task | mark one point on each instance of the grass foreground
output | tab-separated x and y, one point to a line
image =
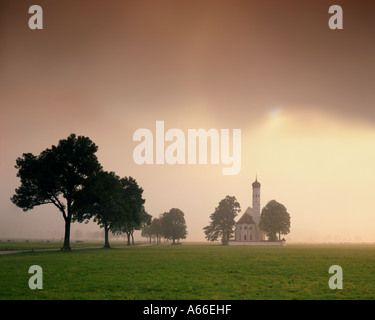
186	272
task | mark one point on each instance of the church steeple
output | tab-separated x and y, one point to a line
247	228
256	184
256	200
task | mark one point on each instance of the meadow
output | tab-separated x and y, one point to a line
189	272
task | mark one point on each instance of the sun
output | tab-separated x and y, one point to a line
274	112
276	118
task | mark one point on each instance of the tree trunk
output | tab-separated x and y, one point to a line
132	238
66	245
224	240
106	240
128	234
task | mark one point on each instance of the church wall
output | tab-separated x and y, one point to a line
243	230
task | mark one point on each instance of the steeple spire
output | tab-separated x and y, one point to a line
256	184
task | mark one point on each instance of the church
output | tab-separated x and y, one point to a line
247	227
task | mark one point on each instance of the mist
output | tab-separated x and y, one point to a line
301	94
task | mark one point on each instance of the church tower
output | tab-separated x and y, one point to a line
256	201
247	227
259	235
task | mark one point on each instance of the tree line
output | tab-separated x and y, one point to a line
170	225
70	177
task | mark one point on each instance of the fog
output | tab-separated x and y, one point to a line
301	94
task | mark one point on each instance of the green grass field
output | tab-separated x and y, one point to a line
193	272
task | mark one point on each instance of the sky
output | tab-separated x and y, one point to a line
301	94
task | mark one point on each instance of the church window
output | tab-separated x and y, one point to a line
244	237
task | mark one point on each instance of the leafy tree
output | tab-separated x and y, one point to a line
56	176
222	220
131	225
101	199
156	229
274	219
144	223
133	206
146	232
173	225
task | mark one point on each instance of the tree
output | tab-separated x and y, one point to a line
133	206
222	220
274	219
173	225
131	225
144	223
156	229
101	198
56	176
146	232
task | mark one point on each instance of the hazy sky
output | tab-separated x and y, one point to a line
303	96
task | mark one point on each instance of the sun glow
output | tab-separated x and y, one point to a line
312	162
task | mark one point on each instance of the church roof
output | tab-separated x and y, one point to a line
246	217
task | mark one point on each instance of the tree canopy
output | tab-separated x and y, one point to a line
70	177
274	220
222	220
156	229
101	198
174	225
133	208
56	176
115	203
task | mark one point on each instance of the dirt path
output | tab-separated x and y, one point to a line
40	250
58	249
